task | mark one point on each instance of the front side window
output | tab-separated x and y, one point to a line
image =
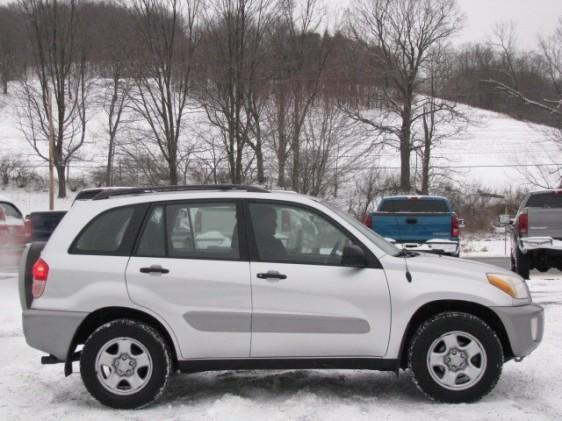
284	233
105	234
191	230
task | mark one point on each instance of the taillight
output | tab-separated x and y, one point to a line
368	220
523	223
455	226
40	273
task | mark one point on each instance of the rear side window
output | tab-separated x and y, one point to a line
545	200
191	230
105	234
415	205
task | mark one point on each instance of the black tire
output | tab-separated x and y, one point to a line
156	347
441	324
522	265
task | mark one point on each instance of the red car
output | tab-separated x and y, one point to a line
13	234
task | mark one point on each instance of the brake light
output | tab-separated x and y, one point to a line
523	223
40	273
455	226
368	220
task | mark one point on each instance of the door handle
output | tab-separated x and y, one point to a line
272	274
411	221
154	269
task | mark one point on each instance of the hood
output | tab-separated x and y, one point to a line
459	269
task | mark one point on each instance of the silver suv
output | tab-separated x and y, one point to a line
138	284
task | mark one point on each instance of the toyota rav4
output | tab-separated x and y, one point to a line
138	284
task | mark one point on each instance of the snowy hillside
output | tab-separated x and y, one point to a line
494	151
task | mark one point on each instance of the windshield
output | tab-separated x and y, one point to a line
379	241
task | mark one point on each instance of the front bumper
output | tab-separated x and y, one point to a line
51	331
524	326
440	246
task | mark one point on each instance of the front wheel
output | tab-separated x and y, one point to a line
125	364
455	357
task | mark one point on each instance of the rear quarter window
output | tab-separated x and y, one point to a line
414	205
110	233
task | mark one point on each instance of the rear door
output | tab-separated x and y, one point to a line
414	219
191	268
305	303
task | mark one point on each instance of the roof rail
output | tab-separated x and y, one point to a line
106	194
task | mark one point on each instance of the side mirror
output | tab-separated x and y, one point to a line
353	256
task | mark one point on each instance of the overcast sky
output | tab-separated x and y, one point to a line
531	17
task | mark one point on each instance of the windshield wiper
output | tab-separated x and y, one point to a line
406	253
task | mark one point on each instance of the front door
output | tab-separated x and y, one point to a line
305	303
191	267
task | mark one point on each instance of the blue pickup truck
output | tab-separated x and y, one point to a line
420	223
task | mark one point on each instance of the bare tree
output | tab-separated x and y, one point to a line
233	92
332	148
551	56
12	45
163	81
440	119
299	57
60	71
401	33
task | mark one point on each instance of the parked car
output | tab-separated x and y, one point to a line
536	240
116	289
12	231
40	225
420	223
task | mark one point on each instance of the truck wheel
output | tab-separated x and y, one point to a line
125	364
522	265
455	357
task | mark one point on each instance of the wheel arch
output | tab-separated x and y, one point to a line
107	314
441	306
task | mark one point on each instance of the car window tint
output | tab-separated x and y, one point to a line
9	210
545	200
284	233
414	205
191	230
152	242
105	234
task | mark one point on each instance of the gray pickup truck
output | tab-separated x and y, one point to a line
536	240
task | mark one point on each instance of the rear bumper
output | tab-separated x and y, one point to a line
51	331
440	246
540	243
524	326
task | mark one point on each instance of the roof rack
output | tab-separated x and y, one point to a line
106	194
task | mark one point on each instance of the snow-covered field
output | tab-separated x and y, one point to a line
528	390
494	150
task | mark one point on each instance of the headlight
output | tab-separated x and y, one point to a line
510	284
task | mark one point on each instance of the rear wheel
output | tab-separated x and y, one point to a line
455	357
522	264
125	364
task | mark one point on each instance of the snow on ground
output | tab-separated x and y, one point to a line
527	390
485	245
